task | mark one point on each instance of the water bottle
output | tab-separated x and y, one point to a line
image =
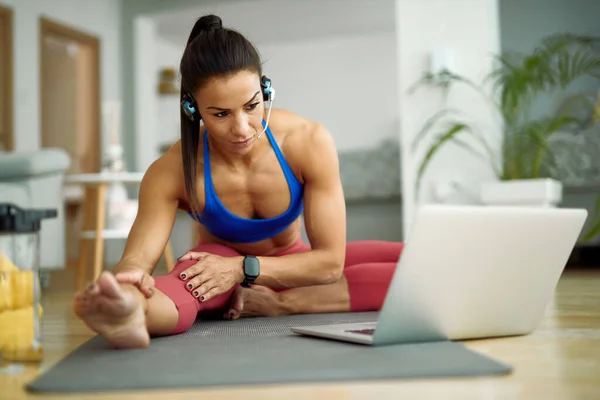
20	292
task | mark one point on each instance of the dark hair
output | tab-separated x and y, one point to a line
211	51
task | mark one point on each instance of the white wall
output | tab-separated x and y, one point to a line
468	30
156	115
356	18
168	55
344	82
146	99
347	83
98	18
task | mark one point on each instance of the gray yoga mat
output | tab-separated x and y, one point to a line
256	351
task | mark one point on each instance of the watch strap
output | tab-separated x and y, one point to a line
251	268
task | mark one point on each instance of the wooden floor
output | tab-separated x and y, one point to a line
560	360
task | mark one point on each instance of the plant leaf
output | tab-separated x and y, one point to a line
441	140
559	123
429	124
582	103
518	80
576	64
426	79
558	61
594	229
468	147
591	232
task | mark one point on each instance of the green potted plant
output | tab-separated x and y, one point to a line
527	158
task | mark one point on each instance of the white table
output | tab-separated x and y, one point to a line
94	208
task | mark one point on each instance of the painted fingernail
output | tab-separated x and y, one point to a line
183	276
196	293
202	298
189	286
151	290
231	313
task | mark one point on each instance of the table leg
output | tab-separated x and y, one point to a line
100	223
84	246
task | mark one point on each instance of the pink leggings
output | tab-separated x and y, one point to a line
368	270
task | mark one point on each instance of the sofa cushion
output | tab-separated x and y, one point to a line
16	193
20	165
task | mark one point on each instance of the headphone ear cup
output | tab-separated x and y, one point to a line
265	84
188	107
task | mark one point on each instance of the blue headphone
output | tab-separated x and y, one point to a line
189	108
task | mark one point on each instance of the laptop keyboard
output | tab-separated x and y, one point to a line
362	331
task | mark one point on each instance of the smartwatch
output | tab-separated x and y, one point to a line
251	270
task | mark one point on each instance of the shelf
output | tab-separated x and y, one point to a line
106	234
168	88
104	177
73	194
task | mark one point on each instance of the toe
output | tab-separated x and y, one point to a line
230	314
81	297
108	285
93	289
237	304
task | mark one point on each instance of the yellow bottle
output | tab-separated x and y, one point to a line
18	340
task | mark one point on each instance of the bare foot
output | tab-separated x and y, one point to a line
258	301
114	311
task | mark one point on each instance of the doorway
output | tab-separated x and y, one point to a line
70	94
6	79
70	113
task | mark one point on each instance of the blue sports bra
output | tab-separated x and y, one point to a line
219	221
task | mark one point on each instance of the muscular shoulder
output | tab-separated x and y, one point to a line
165	177
306	144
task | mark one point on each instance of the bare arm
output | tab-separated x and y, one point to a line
325	220
157	208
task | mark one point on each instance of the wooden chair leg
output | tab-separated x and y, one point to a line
87	223
100	224
169	259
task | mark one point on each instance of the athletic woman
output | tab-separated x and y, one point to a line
247	175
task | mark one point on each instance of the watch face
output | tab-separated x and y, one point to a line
251	266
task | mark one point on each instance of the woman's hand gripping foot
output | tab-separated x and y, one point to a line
115	311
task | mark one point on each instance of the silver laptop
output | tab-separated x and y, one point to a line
470	272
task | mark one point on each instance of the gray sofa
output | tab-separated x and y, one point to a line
34	179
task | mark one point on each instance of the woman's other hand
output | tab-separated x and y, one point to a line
212	275
138	277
